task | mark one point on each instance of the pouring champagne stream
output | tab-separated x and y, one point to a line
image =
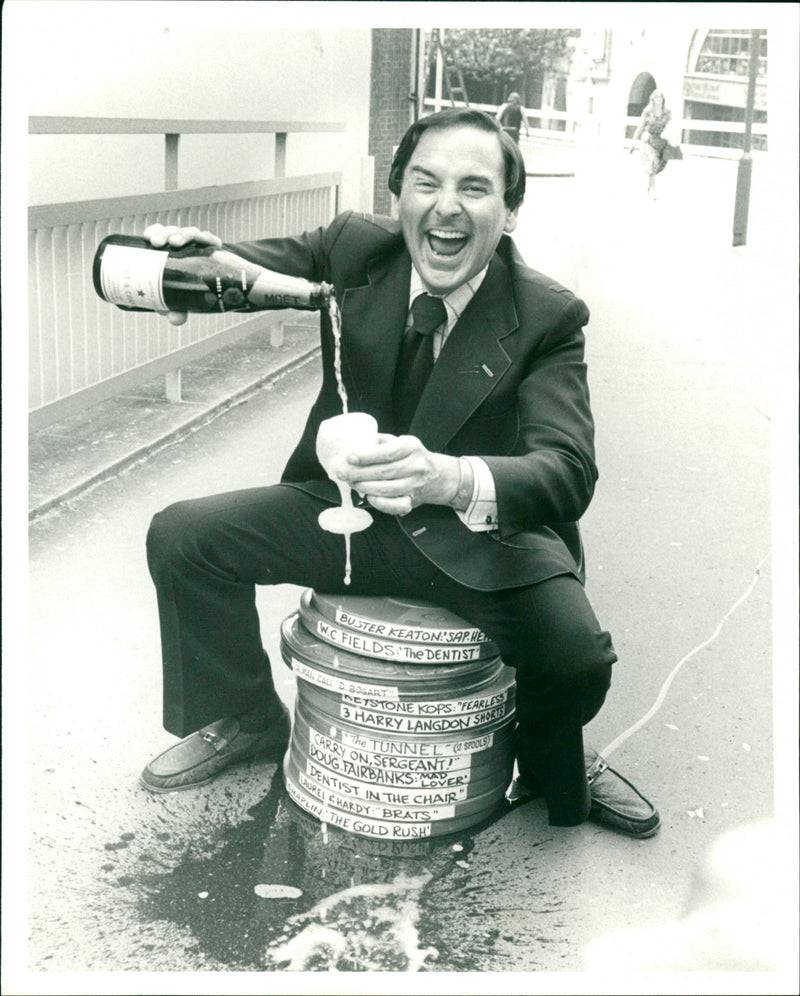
337	438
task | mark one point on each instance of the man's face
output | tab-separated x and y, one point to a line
452	208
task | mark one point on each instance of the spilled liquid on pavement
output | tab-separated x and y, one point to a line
283	892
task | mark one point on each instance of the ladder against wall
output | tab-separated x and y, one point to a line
452	76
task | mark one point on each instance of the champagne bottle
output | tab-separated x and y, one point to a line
131	273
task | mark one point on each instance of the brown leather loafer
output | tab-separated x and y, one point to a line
615	802
203	755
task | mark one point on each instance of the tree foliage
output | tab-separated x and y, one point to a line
507	54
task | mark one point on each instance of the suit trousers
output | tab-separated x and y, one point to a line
206	557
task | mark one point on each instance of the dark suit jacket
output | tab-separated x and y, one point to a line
509	386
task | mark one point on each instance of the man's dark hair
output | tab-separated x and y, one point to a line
452	118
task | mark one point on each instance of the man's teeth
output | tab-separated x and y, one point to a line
446	243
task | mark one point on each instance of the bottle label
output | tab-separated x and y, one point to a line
132	277
278	290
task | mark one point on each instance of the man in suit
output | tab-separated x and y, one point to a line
476	484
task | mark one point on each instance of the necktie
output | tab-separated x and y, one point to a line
416	358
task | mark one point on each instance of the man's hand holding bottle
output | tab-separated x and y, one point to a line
171	235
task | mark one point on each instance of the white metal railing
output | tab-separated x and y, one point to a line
684	127
544	114
573	123
83	350
173	128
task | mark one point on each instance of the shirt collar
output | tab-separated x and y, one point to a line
456	301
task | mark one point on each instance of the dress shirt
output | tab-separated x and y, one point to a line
481	513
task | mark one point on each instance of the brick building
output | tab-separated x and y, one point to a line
391	110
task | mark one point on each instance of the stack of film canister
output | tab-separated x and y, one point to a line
404	717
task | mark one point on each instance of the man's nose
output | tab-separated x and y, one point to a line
448	202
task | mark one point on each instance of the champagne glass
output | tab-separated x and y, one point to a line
337	438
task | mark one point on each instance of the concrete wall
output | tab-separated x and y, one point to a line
184	61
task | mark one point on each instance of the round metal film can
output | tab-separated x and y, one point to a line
404	717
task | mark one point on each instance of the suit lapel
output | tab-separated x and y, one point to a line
471	363
375	317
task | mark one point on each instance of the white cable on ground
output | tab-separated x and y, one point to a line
665	687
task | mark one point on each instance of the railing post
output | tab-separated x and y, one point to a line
280	153
172	385
172	378
171	143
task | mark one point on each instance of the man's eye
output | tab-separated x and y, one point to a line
475	189
424	185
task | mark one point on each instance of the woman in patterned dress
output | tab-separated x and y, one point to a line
655	119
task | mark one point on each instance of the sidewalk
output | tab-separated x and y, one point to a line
71	455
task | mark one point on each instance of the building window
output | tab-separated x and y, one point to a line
726	52
716	91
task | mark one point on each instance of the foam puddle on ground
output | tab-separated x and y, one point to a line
363	928
280	891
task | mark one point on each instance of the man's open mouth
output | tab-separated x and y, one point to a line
445	243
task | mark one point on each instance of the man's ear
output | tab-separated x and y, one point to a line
511	221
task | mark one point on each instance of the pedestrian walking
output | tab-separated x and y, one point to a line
656	150
511	116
